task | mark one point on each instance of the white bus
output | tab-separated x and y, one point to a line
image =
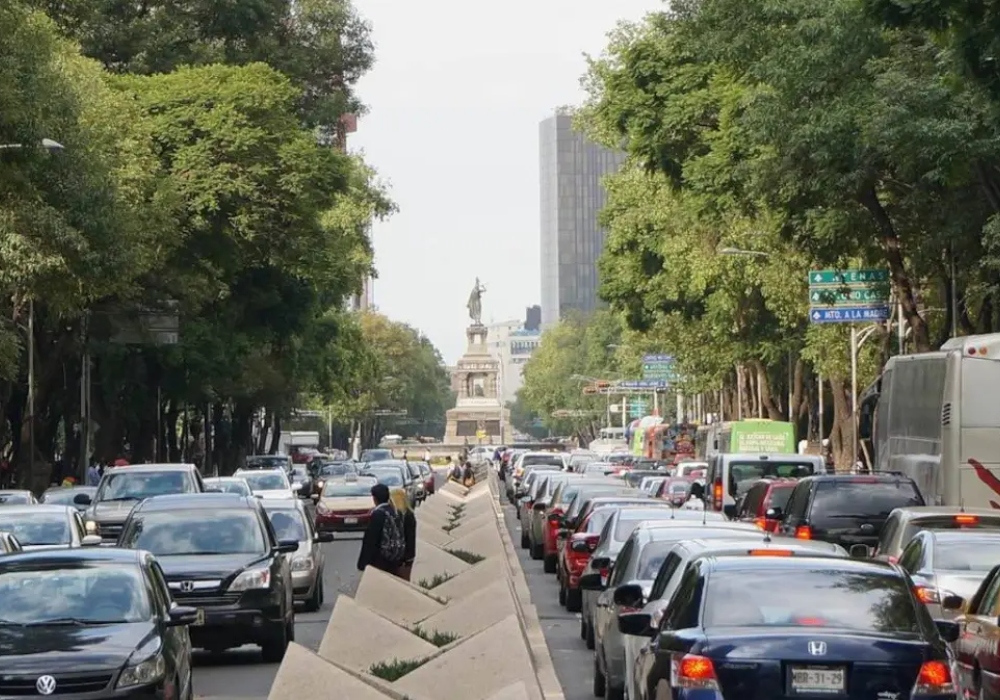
936	418
611	440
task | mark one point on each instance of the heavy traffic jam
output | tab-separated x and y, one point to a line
106	590
703	565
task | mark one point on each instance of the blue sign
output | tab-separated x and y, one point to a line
849	314
650	384
658	358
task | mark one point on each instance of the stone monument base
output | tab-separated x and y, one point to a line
463	425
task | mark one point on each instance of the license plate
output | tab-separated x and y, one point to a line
199	618
350	521
824	681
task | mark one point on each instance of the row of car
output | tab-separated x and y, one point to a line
895	600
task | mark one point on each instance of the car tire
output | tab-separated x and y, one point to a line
613	693
537	552
583	627
562	594
316	600
574	600
273	650
589	639
549	564
525	543
599	680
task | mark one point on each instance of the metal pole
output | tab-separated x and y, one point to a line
680	407
739	394
854	394
656	403
791	392
31	386
157	436
329	428
954	299
819	380
625	411
901	329
82	464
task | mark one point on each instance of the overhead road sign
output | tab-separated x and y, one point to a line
840	278
649	384
848	296
852	297
660	367
849	314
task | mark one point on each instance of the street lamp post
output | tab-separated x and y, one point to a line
50	146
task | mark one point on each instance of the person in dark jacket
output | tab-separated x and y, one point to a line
371	545
402	505
468	475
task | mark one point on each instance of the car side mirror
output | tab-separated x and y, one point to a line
774	514
179	615
600	563
952	602
629	595
323	537
860	551
287	546
82	499
591	582
948	629
635	624
91	541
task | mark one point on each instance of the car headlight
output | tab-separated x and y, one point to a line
251	579
145	672
302	564
320	484
91	527
322	509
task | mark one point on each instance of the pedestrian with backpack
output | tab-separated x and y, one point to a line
384	544
402	504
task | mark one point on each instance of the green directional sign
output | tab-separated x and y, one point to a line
839	278
849	297
637	407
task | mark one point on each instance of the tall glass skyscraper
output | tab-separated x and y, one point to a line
571	170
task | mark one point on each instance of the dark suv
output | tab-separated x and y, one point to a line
122	487
844	509
220	556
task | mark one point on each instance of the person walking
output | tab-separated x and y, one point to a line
455	473
93	475
401	503
383	545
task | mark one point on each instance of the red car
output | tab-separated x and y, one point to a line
674	490
560	502
764	495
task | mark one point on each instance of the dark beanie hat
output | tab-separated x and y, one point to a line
380	492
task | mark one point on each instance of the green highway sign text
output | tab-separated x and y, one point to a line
850	297
837	278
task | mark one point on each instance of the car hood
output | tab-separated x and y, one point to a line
208	566
37	547
359	503
112	511
65	648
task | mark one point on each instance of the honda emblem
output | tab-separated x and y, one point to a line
817	648
187	586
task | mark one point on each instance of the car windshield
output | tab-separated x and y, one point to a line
64	497
347	490
288	524
180	532
33	529
630	518
651	558
104	594
863	601
376	455
336	469
124	485
679	487
978	554
238	486
266	481
268	462
390	476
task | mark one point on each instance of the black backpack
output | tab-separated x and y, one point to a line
392	546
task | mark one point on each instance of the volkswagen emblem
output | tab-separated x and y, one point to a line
187	586
817	648
45	685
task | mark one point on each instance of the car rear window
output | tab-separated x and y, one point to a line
742	475
950	522
628	520
778	497
840	503
978	554
852	600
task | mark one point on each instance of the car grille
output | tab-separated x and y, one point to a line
66	684
202	600
110	531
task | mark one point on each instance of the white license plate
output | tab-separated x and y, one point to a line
818	680
350	521
199	618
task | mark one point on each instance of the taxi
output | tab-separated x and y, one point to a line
345	504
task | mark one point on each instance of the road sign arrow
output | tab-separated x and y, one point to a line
818	278
816	315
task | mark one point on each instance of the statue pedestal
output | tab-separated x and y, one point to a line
479	416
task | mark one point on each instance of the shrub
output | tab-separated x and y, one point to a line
438	639
467	557
394	670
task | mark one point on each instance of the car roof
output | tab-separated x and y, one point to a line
276	470
952	535
282	504
773	456
75	487
227	478
138	468
817	547
685	521
913	512
598	501
847	564
4	492
197	501
38	508
69	556
882	478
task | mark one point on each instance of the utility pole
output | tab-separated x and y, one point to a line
31	386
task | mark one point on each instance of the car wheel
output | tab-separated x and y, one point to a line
273	650
524	540
574	600
316	599
599	680
589	639
562	594
615	693
537	552
549	564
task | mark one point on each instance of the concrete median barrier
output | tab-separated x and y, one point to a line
463	629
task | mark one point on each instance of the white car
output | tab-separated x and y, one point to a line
267	483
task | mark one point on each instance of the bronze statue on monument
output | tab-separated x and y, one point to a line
475	304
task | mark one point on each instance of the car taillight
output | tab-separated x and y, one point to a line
934	679
803	532
693	672
604	575
761	523
966	520
771	553
717	494
926	594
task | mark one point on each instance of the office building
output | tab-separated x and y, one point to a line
512	343
572	195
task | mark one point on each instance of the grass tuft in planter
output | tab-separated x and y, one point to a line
466	556
438	639
435	582
394	670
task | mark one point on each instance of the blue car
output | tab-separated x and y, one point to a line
772	627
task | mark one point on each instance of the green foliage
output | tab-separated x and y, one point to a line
466	556
435	581
394	670
438	639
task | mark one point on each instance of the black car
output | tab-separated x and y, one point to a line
759	628
122	487
91	623
220	555
845	509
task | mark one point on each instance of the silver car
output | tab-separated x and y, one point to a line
904	523
46	527
290	522
229	484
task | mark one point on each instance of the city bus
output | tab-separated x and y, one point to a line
935	417
612	439
758	435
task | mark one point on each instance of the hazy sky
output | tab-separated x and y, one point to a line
455	99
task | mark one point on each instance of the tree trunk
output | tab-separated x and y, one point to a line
766	397
275	434
843	426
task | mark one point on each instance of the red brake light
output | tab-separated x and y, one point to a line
693	671
761	523
811	621
771	553
926	595
934	679
717	494
966	520
803	532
